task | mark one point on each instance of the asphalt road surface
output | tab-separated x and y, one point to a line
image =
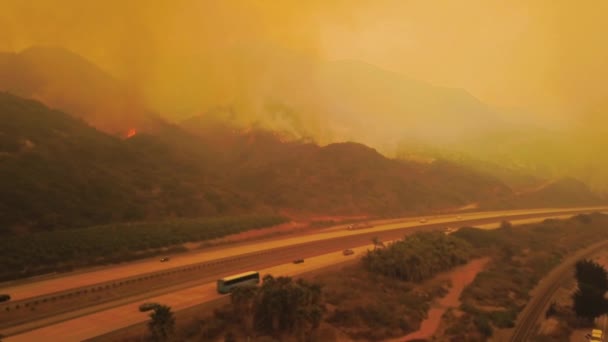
94	321
70	281
106	321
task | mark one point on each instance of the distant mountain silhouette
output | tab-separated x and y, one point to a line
377	106
66	81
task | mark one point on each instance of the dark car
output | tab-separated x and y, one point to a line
165	259
4	298
348	252
148	306
298	261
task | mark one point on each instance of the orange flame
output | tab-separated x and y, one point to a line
131	133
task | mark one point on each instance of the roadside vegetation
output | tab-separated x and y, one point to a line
281	309
589	301
161	324
580	306
390	291
368	306
63	250
520	258
418	257
358	302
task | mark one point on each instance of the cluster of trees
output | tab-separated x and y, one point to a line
418	257
280	306
32	254
161	324
589	300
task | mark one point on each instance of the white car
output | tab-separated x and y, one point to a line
148	306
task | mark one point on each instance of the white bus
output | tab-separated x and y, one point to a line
596	335
226	284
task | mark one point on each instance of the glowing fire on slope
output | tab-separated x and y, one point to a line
131	133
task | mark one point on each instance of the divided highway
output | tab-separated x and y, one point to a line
207	266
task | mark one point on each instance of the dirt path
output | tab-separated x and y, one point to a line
460	277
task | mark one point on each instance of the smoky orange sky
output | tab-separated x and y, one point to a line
546	56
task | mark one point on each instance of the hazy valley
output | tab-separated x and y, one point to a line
303	171
61	171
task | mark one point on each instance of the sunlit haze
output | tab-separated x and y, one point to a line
376	72
303	170
546	57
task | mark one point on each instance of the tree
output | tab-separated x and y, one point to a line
162	323
504	224
229	337
376	241
418	257
284	306
242	299
588	303
592	273
592	279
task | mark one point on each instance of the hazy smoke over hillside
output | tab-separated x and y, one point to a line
189	55
268	62
185	57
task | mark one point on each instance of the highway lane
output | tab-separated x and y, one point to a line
496	225
104	322
63	310
71	281
281	255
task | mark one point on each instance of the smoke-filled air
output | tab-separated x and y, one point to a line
303	170
515	83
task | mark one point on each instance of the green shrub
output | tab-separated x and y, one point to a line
418	257
483	325
503	318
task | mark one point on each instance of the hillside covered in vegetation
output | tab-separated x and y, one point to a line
58	172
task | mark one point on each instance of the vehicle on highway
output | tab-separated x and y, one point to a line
359	226
226	284
298	261
165	259
596	335
4	298
148	306
348	252
423	220
449	230
459	218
